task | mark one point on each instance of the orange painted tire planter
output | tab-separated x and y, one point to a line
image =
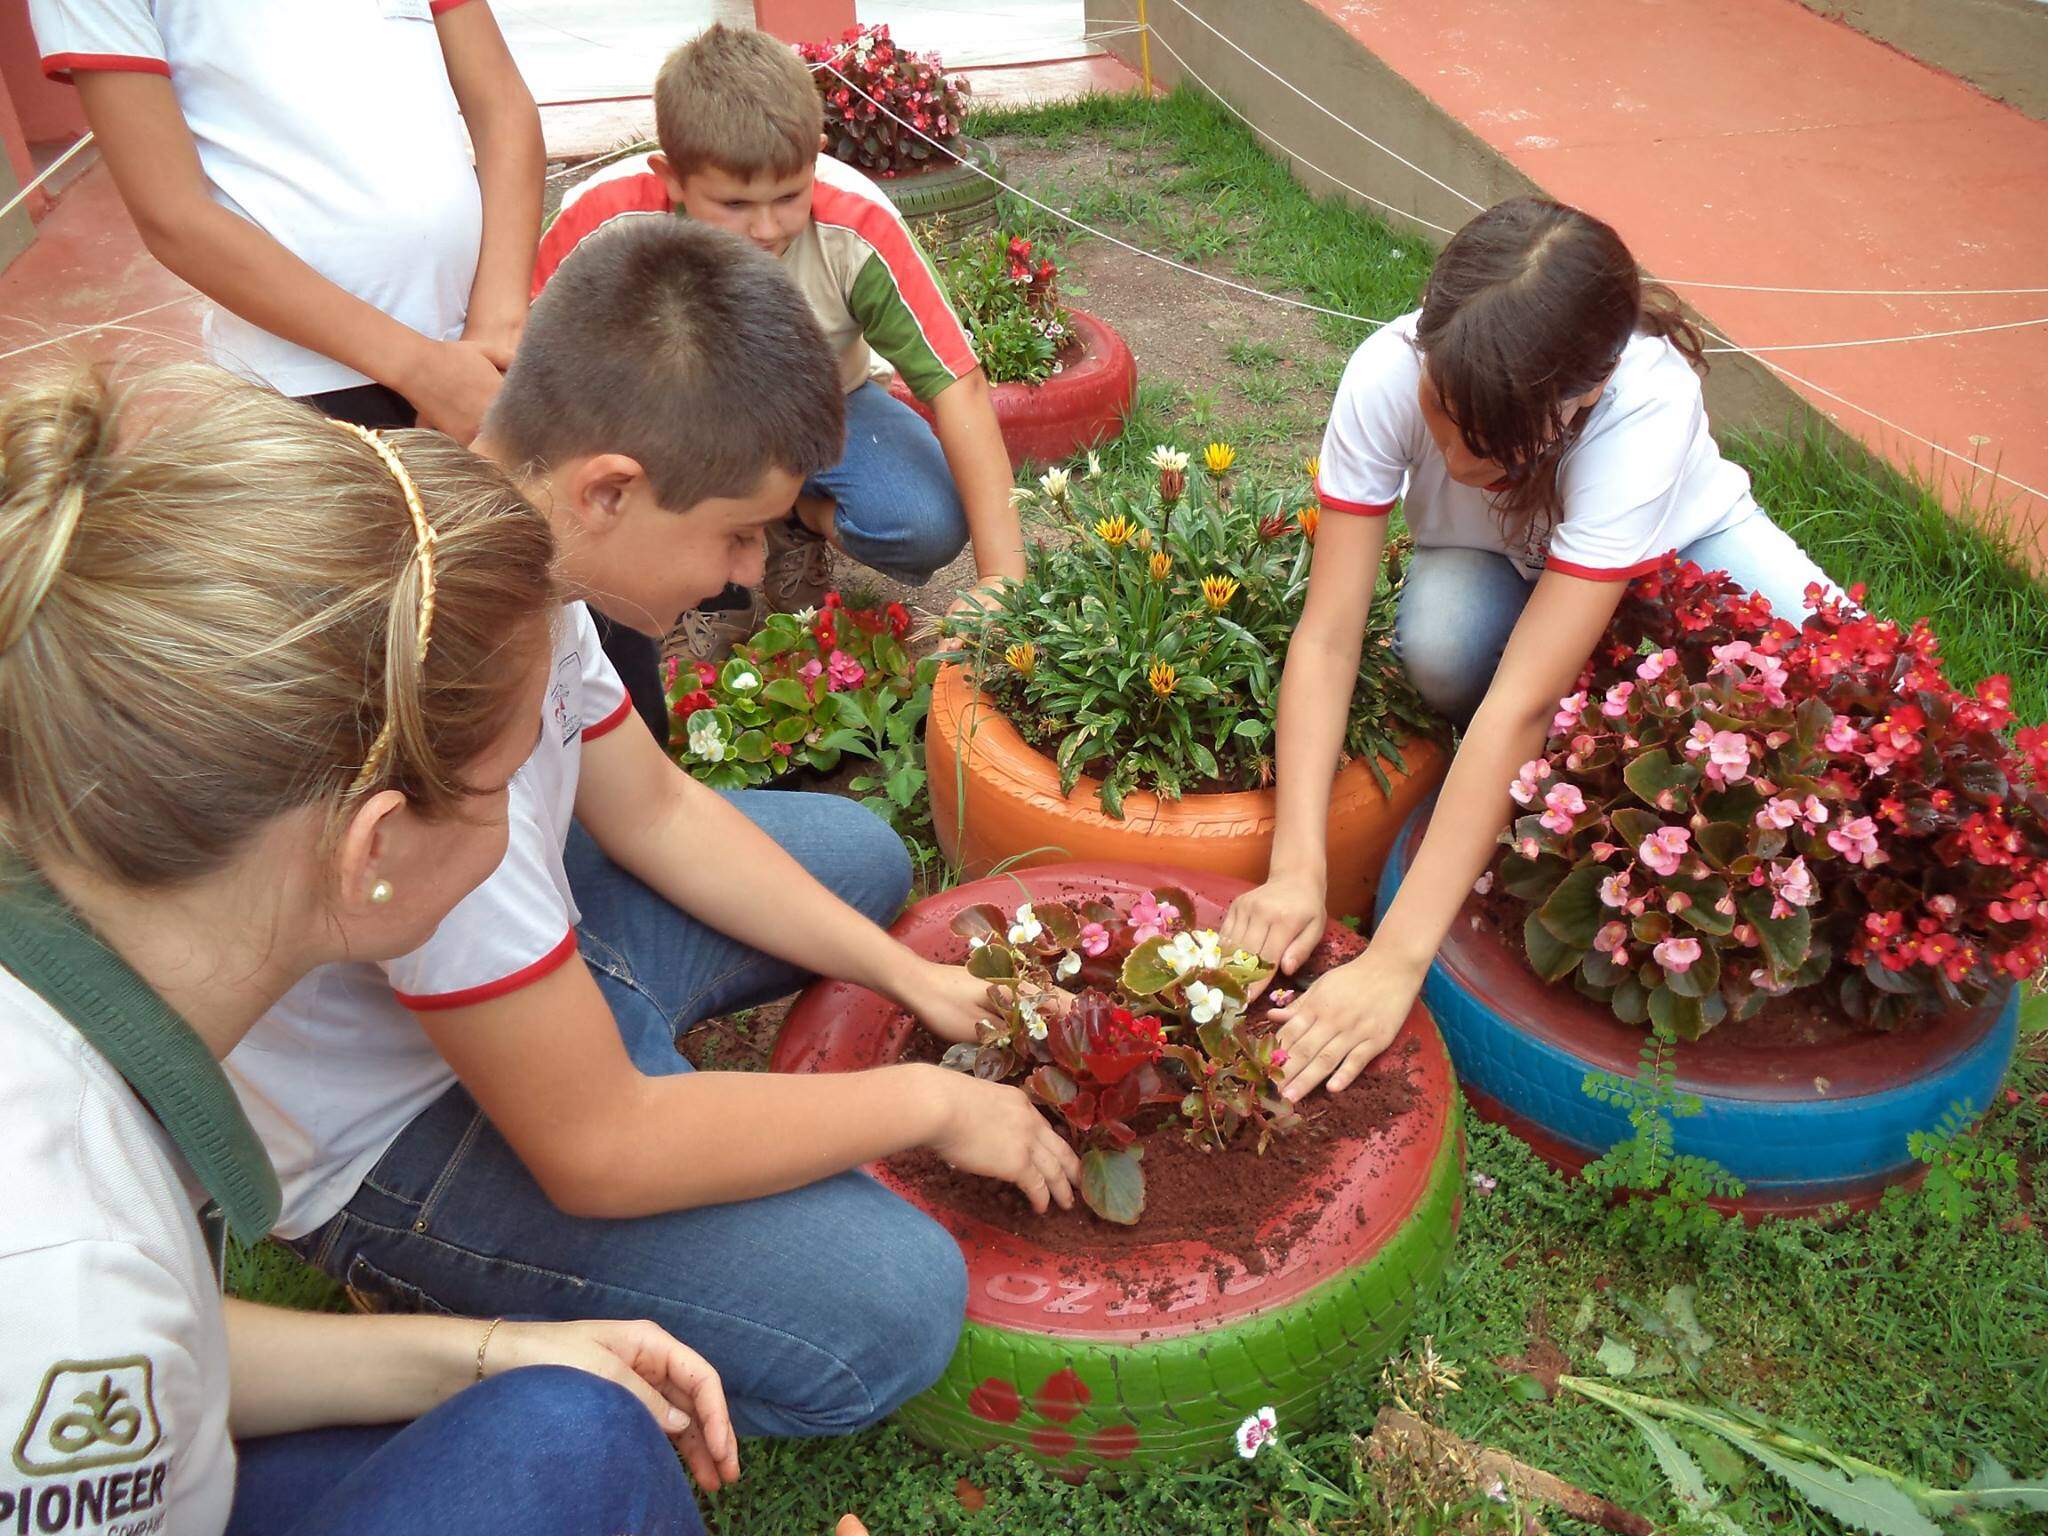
1078	408
1005	804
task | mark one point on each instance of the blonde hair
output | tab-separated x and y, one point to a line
210	605
739	100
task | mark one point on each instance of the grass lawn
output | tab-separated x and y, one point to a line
1915	1337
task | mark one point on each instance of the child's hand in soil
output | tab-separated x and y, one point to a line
1281	922
993	1130
1346	1017
946	1000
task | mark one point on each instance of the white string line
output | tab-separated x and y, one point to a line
1333	117
1135	250
1217	96
1870	293
118	323
1882	341
1864	410
48	171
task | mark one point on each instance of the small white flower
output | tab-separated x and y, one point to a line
1485	1183
1483	884
1256	1431
1034	1026
1204	1001
1497	1491
1094	462
1069	966
1027	927
805	616
707	741
979	940
1164	457
745	682
1054	483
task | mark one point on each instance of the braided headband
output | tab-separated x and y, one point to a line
423	531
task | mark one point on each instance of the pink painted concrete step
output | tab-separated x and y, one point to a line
1752	141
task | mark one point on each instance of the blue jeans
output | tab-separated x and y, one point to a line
899	510
823	1308
545	1451
1459	606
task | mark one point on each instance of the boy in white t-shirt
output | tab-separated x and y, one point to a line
303	164
1540	422
501	1119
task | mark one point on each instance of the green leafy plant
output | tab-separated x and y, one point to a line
806	691
1963	1173
1664	1192
1200	581
1008	295
866	82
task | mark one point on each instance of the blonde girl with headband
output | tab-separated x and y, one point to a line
263	686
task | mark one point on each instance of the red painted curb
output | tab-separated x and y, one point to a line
1014	1283
1082	405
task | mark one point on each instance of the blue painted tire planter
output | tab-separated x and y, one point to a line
1803	1125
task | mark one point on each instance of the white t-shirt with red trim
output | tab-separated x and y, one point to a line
328	124
1643	476
869	282
340	1066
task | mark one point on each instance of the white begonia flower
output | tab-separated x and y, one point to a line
1054	483
976	942
1027	927
1164	457
1069	966
745	681
1034	1026
707	741
1205	1001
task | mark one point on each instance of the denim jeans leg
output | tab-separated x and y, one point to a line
1765	559
899	510
545	1451
1458	607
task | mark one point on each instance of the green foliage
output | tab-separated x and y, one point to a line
1008	295
1664	1192
1200	579
1963	1174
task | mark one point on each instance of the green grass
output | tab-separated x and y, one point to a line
1897	1336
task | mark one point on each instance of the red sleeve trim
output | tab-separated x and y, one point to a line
525	976
442	7
1355	508
610	722
588	209
884	230
60	66
1603	573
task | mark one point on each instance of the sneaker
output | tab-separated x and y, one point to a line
709	634
799	567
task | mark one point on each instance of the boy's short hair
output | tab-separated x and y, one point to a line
681	346
739	100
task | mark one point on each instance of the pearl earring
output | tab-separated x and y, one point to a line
380	893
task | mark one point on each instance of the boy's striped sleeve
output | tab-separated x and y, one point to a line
896	295
591	206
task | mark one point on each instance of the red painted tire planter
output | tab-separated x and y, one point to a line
1805	1126
1078	408
1074	1358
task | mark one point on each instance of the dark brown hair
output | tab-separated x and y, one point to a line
739	100
682	347
1528	307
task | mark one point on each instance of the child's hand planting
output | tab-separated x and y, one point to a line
994	1130
1345	1018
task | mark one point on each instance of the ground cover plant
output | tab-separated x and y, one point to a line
1915	1337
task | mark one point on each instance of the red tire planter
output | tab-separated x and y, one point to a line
1078	408
1079	1360
1806	1126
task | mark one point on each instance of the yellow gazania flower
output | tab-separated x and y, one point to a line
1217	591
1023	656
1162	565
1314	465
1306	520
1114	531
1163	679
1218	457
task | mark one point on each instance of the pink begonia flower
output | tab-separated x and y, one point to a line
1726	905
1840	737
843	672
1485	1183
1760	979
1772	676
1149	918
1570	711
1673	699
810	672
1744	934
1483	884
1280	1057
1527	778
1582	750
1610	938
1700	740
1528	848
1562	807
1614	890
1280	997
1677	902
1728	758
1856	841
1676	955
1779	813
1728	659
1777	739
1942	906
1815	811
1615	705
1656	666
1094	938
1793	883
1665	849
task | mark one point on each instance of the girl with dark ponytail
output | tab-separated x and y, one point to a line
1540	420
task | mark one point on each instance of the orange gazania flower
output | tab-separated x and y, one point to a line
1023	656
1217	591
1306	520
1163	679
1162	565
1114	531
